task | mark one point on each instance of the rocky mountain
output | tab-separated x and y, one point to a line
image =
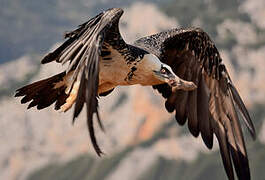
142	141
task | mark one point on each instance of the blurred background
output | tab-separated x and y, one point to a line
142	141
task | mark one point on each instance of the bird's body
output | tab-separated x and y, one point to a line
115	71
182	64
122	72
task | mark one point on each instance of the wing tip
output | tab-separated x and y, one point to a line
243	110
48	58
18	93
241	164
208	140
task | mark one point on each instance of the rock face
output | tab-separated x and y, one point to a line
141	137
37	137
255	8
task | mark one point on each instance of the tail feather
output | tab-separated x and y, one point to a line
45	92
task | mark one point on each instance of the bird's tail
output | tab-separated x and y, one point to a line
45	92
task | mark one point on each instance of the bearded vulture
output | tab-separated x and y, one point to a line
183	65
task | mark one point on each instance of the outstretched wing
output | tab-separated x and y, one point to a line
82	50
212	107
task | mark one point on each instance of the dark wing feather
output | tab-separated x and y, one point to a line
82	50
211	108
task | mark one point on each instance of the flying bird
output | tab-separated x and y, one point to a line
183	65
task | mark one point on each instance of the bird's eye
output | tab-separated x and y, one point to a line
163	71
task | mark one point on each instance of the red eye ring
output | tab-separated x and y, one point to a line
163	71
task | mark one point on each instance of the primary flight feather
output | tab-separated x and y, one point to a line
182	64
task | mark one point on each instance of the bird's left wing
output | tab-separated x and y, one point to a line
211	108
82	50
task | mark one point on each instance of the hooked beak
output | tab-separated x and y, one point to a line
177	83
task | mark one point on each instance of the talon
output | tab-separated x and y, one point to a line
184	85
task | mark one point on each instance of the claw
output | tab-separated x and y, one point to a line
184	85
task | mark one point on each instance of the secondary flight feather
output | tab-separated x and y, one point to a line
184	66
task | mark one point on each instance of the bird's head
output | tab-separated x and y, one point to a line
165	74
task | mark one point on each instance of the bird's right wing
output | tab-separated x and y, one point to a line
82	50
211	108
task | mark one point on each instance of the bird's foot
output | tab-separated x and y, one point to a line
184	85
